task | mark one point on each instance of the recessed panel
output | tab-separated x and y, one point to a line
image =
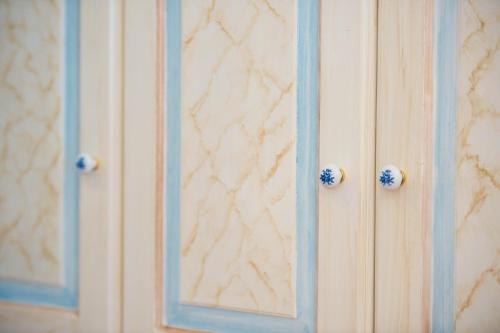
39	140
477	228
31	141
239	227
238	155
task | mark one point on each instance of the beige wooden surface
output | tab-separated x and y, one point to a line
140	33
100	227
100	206
404	138
143	93
347	138
21	318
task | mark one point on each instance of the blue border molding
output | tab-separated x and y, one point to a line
221	320
66	295
443	221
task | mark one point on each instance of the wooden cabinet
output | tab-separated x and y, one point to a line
211	121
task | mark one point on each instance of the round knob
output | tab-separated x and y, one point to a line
86	163
391	177
331	175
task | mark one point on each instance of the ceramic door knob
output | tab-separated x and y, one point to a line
391	177
86	163
331	175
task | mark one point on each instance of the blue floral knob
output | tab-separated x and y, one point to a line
331	175
391	177
86	163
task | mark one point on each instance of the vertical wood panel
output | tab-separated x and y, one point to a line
347	138
140	33
100	227
404	138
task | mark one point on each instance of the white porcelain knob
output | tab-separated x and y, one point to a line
331	175
391	177
86	163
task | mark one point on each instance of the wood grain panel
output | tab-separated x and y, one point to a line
347	138
404	138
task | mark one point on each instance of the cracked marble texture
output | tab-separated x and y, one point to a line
238	155
30	140
477	256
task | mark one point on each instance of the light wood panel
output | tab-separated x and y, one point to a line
143	92
404	138
347	138
21	319
100	222
140	40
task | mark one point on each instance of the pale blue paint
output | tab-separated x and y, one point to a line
171	269
220	320
443	222
66	295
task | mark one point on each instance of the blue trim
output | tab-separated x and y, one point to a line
307	159
52	295
172	186
443	221
220	320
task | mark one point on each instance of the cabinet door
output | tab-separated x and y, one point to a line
58	269
437	259
221	150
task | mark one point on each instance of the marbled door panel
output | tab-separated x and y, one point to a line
238	154
30	140
477	256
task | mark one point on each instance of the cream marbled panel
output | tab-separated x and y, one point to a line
30	140
477	272
238	154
